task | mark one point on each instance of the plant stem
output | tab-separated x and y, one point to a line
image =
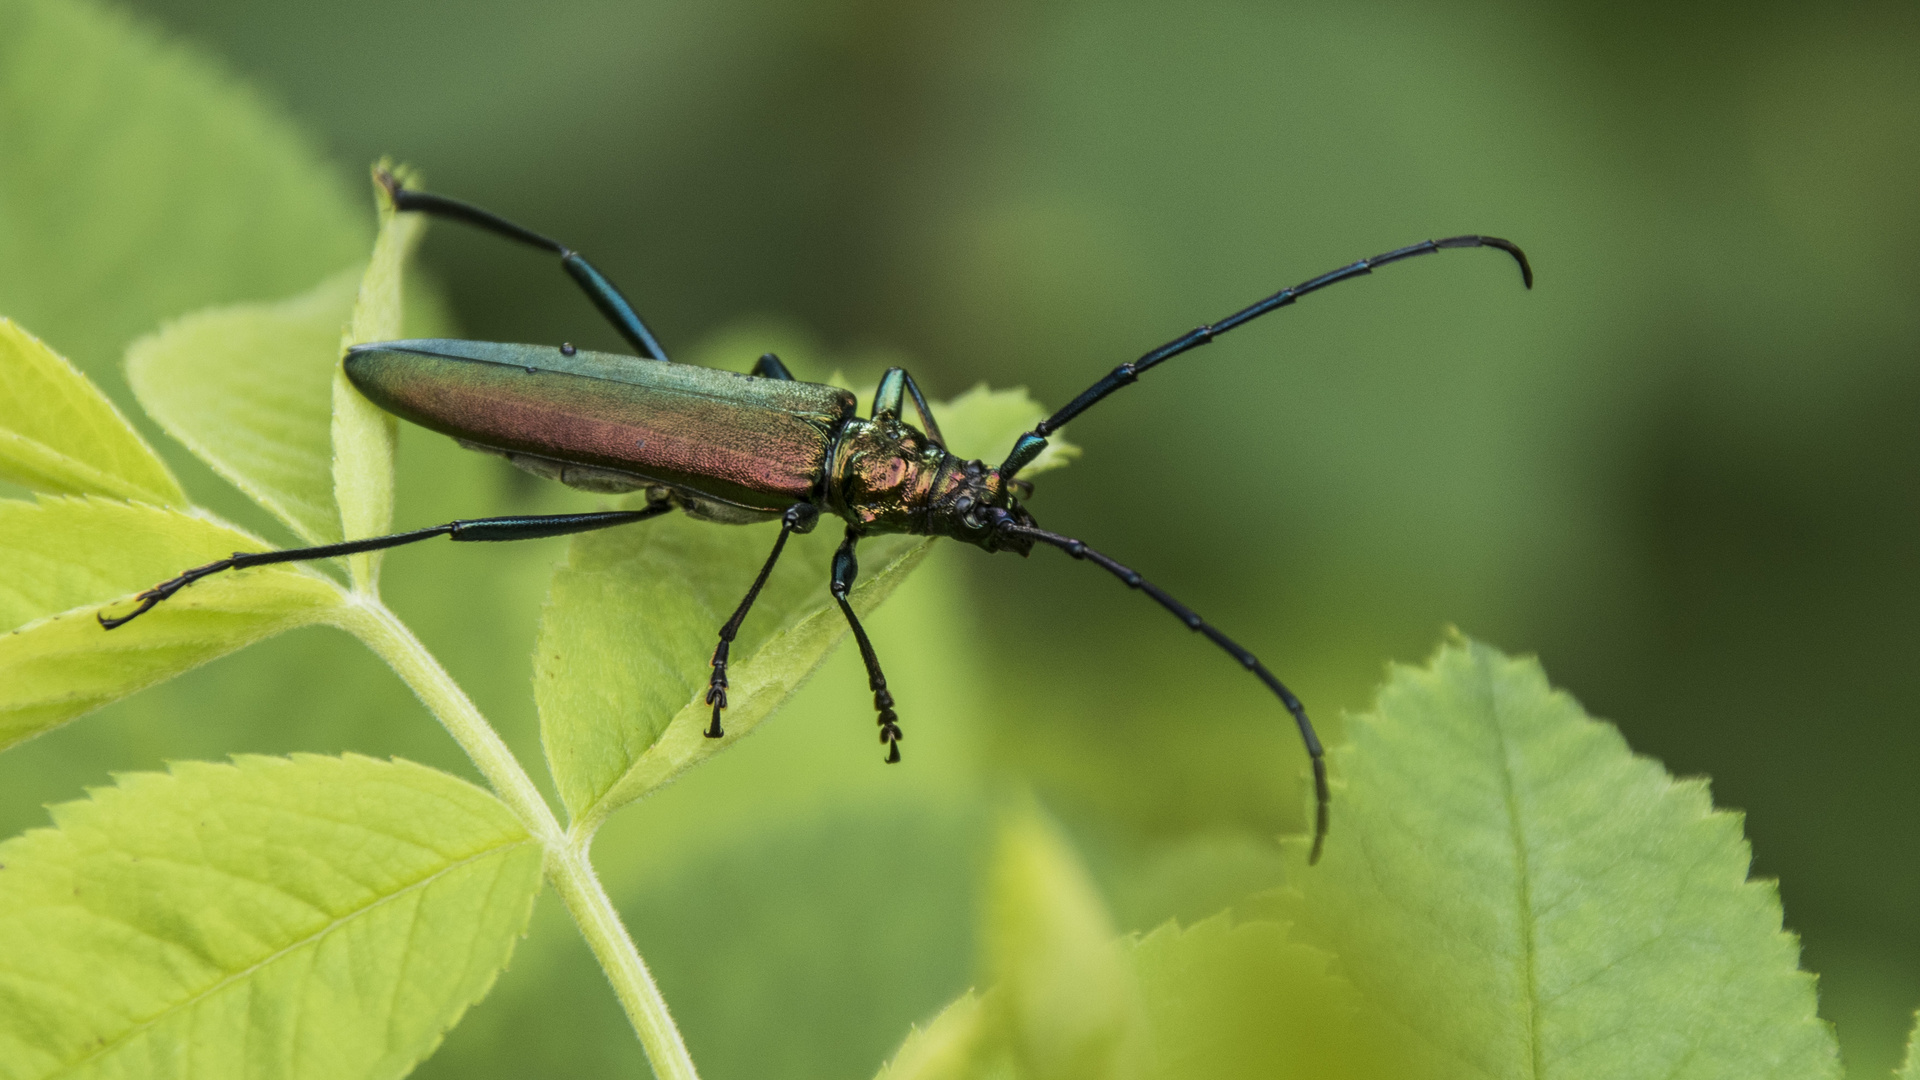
369	620
567	864
572	875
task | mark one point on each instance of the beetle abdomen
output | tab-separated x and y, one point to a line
759	444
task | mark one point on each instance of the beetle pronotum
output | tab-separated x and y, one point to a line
736	449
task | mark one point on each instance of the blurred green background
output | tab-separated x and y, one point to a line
1685	470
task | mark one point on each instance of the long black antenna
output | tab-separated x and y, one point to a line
1029	445
1323	797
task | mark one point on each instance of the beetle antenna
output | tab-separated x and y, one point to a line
1323	798
1029	445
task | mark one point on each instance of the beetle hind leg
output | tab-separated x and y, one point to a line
487	529
606	296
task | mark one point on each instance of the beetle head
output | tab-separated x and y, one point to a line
970	503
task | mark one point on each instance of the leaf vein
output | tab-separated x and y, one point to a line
148	1024
1523	880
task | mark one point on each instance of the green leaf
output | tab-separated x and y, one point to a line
1225	1000
627	637
985	424
70	556
1063	1000
1219	999
249	389
1516	894
364	434
139	180
305	917
623	657
948	1048
58	433
1911	1070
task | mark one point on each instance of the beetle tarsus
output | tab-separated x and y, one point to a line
717	688
152	597
889	722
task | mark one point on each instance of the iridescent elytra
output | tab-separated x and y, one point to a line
734	448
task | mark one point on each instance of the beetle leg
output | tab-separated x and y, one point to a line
605	295
800	517
845	569
500	528
770	367
1004	522
890	396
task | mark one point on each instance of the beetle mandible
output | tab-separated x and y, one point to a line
737	449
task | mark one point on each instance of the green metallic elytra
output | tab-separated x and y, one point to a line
735	447
724	446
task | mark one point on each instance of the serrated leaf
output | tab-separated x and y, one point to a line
59	433
984	424
71	557
1225	1000
1063	999
1517	895
627	637
623	657
307	917
1911	1069
1218	999
249	389
949	1047
138	180
362	433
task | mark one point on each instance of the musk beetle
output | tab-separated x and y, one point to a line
735	449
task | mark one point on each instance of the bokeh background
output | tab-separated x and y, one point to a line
1684	471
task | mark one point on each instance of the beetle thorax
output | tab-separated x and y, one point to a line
886	476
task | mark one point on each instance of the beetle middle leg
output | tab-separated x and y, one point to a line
486	529
845	569
799	518
770	367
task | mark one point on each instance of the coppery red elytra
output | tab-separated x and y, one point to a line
735	448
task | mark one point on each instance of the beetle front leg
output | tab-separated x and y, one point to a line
845	569
799	518
890	397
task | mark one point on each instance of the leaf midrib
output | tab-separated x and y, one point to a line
86	477
196	998
1523	878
